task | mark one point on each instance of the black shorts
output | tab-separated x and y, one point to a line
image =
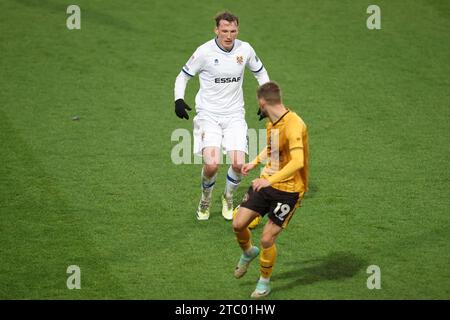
279	204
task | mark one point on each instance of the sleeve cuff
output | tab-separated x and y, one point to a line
262	66
190	75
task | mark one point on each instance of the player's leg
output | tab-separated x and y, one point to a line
207	141
244	237
282	208
267	258
235	143
233	180
253	205
211	156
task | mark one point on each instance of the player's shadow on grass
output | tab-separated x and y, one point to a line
334	266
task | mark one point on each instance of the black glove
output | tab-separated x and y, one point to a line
261	115
180	109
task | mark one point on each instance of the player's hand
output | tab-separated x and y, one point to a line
180	109
246	168
259	183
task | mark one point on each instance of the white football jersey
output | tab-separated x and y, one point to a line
221	75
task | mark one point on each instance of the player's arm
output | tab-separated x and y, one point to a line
189	70
180	87
260	157
251	165
257	68
295	141
295	164
262	76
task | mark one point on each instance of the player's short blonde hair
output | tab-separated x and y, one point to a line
270	91
227	16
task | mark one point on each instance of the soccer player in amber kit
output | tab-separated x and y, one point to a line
279	189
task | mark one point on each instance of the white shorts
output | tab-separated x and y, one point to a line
228	133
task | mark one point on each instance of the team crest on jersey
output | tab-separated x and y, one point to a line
240	59
216	61
203	136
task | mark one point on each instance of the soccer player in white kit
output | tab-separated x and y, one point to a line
219	103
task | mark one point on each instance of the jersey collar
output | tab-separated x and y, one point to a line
279	119
218	45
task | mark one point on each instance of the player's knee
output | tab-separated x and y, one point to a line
267	241
210	169
237	226
236	167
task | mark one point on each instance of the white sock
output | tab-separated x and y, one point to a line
264	280
233	180
249	252
207	186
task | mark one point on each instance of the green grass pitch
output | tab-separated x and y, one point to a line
102	192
